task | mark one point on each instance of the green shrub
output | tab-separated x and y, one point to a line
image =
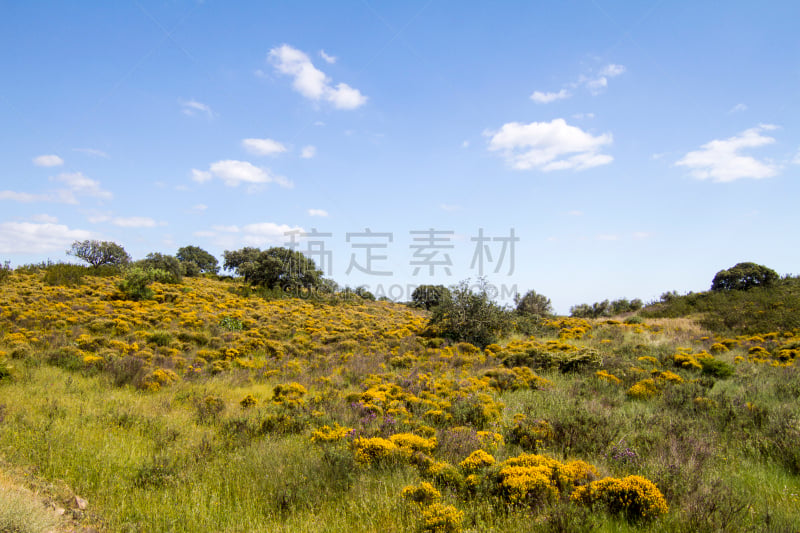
716	368
64	274
136	284
470	316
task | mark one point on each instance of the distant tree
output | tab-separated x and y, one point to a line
743	276
581	311
274	268
364	294
197	260
533	303
98	253
163	263
428	296
470	316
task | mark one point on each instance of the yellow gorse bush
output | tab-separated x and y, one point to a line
634	496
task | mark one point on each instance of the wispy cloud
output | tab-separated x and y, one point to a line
308	152
721	161
317	213
50	160
312	82
193	108
92	152
738	108
134	222
328	59
595	82
263	146
80	184
545	98
549	146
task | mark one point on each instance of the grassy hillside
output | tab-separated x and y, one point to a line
757	310
205	411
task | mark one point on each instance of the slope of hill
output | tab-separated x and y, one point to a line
205	411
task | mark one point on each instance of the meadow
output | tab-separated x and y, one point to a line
208	408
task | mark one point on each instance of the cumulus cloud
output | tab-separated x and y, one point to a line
48	161
263	146
317	212
311	82
192	108
308	152
721	161
37	238
233	173
545	98
134	222
267	233
549	146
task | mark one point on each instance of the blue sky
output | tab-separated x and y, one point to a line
630	148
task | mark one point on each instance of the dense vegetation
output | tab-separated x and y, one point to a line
200	406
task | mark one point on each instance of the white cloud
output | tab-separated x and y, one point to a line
449	207
48	161
267	233
45	219
720	160
575	213
201	176
796	160
92	151
597	83
608	237
581	116
134	222
312	82
226	229
738	108
36	238
80	184
233	173
263	146
545	98
308	152
23	197
317	212
641	235
549	146
465	144
192	108
328	59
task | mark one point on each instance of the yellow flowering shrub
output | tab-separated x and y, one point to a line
375	450
603	375
408	443
330	433
634	496
422	494
643	390
475	461
441	518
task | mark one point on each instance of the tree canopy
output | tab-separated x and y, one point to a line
743	276
195	259
275	267
98	253
533	303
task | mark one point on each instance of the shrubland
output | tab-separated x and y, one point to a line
203	406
